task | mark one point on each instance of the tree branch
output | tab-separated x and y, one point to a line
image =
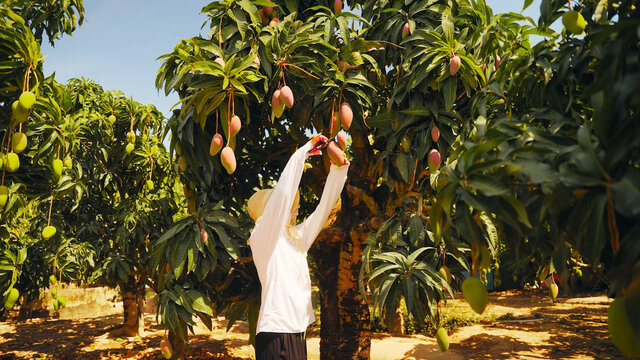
357	193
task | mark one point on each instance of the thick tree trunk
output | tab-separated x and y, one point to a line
133	304
178	346
345	325
345	320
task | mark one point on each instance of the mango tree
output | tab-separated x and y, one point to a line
555	138
401	79
30	181
128	198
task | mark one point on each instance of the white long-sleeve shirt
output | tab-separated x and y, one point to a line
280	258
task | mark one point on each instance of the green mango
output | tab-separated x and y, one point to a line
475	293
11	299
443	339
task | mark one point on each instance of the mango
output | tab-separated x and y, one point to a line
434	159
574	22
57	166
443	339
11	299
165	347
445	274
27	100
149	185
435	133
56	305
216	144
475	293
553	290
405	143
346	115
268	10
18	142
277	106
234	126
129	148
220	61
52	280
335	154
111	119
178	148
286	96
12	162
263	17
4	196
131	137
18	113
204	235
228	159
182	163
54	293
342	140
48	232
274	21
405	30
62	302
620	329
454	65
337	7
68	162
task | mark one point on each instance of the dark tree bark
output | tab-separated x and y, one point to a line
345	319
133	304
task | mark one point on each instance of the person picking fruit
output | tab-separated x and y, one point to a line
279	248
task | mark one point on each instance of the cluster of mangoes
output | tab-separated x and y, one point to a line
58	301
268	16
20	111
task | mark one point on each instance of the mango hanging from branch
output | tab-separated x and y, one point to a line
216	144
234	126
454	65
346	115
228	160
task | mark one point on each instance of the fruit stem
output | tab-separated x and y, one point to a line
299	68
50	207
390	43
473	260
569	1
216	121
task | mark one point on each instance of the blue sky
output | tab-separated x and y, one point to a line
119	43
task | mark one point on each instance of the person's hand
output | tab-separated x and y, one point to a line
346	162
315	140
318	138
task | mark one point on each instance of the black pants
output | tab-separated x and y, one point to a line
281	346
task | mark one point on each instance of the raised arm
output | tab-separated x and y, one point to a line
311	226
278	209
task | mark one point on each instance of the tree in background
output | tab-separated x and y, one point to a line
86	185
559	134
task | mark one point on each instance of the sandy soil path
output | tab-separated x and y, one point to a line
516	325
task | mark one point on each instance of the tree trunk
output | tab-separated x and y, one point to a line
133	304
345	320
345	325
178	346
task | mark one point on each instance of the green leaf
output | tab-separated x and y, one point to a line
626	194
449	92
488	185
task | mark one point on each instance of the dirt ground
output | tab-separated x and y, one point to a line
515	325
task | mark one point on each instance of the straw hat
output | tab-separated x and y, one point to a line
259	199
